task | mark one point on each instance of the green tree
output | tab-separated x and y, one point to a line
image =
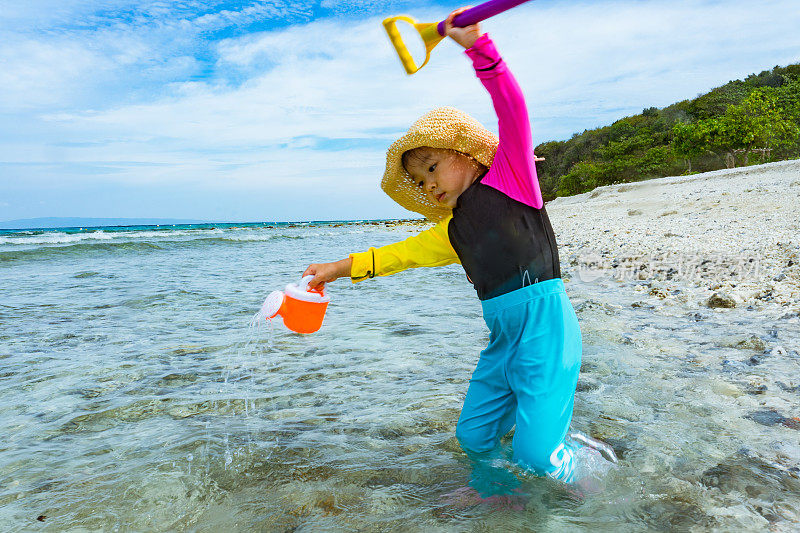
690	140
760	112
759	122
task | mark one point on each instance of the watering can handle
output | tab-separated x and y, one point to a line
303	285
479	13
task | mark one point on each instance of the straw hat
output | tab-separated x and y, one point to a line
443	127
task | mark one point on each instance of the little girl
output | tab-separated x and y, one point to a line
485	194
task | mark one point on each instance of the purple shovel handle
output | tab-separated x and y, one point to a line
479	13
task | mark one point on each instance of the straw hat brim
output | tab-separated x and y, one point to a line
443	127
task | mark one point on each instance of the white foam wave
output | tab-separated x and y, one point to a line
249	238
58	237
167	235
54	238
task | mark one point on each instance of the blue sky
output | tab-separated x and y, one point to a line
282	110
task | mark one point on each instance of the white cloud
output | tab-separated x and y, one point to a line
38	74
69	54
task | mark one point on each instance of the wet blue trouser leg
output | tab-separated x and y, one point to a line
525	376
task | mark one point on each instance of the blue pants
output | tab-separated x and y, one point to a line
525	376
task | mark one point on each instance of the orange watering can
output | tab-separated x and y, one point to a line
302	309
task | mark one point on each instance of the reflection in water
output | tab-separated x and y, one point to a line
134	396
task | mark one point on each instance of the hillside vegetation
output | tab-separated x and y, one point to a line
744	122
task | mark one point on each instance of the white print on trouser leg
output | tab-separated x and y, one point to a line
561	458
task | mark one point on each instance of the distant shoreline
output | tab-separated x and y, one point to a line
93	224
68	223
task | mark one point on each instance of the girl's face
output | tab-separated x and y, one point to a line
442	174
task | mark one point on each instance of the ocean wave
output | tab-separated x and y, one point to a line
251	238
167	234
52	244
228	240
53	238
47	252
58	237
78	248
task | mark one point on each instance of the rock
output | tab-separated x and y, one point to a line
746	475
594	304
755	389
177	380
723	476
598	368
659	292
724	388
778	350
793	423
788	388
730	365
766	417
720	300
753	342
765	295
586	385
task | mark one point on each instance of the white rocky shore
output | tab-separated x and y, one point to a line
732	236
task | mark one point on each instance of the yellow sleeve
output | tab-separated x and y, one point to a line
429	248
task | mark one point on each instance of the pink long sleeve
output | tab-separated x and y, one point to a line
513	171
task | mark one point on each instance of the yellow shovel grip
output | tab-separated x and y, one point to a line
397	41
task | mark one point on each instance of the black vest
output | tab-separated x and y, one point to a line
503	244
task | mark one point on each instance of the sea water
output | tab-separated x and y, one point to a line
134	395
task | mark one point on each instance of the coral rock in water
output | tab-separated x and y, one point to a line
720	300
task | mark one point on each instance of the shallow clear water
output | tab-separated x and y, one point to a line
133	395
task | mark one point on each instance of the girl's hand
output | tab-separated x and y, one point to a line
325	272
466	36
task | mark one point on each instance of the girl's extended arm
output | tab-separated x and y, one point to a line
513	171
428	248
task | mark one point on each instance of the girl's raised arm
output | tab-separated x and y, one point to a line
513	171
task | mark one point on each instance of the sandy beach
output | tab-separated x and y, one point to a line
730	233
